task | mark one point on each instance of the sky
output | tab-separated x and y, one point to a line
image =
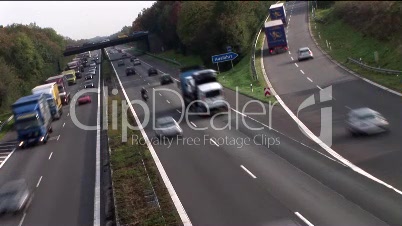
77	20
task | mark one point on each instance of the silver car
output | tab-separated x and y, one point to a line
14	196
366	121
304	54
167	127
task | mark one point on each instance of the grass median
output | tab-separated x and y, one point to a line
346	42
135	176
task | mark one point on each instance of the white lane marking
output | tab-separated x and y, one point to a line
193	124
40	179
248	171
22	219
3	157
176	201
5	160
291	58
296	65
178	111
58	137
64	124
304	219
289	52
148	83
319	87
214	142
68	114
160	94
168	101
302	72
97	217
238	112
50	156
309	79
348	107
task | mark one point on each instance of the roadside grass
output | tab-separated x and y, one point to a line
130	180
346	42
8	127
183	60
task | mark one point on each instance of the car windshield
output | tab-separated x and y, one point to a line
61	89
27	123
166	124
366	117
304	52
212	93
51	103
68	76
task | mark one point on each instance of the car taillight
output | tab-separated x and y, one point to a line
270	51
286	48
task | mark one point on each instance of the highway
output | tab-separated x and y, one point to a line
61	173
249	182
295	81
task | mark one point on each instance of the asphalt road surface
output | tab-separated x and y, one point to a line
296	81
245	182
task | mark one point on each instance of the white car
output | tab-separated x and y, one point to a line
366	121
304	54
167	127
92	71
92	65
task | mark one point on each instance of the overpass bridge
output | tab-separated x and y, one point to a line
140	36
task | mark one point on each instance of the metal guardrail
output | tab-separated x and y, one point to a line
361	64
2	124
253	68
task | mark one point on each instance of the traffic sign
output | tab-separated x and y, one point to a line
229	49
267	91
224	57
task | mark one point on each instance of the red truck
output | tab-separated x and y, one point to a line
61	82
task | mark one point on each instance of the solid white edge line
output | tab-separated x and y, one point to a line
317	140
193	124
304	219
175	198
248	171
40	179
50	156
22	219
214	142
5	160
97	210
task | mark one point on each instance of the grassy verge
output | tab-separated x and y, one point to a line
183	60
356	45
7	127
130	179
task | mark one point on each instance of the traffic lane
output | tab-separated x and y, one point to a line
348	178
219	202
211	203
75	183
231	151
295	189
375	154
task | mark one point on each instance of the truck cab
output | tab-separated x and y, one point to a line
70	76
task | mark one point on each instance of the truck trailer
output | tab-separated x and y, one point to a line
32	119
201	90
278	12
52	94
276	36
61	82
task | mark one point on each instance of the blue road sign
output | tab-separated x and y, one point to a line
224	57
229	49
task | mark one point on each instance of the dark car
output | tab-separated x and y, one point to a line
89	84
130	71
152	71
89	76
14	196
133	58
166	79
